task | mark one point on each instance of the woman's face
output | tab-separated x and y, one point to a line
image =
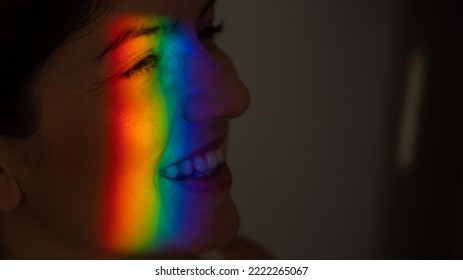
135	114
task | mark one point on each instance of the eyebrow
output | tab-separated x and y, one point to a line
128	33
132	32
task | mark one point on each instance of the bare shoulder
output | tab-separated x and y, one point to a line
244	248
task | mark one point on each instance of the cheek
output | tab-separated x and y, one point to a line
137	129
65	163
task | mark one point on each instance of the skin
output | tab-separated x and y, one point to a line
52	185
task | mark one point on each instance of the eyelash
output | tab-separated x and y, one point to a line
146	64
211	31
151	61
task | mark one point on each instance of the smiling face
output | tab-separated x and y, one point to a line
128	158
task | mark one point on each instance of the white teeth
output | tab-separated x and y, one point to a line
198	167
186	167
172	171
211	159
220	157
199	164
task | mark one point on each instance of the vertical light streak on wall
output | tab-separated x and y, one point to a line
409	125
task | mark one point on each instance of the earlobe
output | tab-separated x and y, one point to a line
10	193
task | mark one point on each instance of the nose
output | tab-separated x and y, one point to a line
219	94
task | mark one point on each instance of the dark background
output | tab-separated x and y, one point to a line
351	148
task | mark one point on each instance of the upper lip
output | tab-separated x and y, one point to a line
212	145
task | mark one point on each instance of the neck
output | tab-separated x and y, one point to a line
27	238
24	238
30	236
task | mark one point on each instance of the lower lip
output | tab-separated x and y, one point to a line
217	182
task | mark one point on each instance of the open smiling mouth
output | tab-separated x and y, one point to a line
197	166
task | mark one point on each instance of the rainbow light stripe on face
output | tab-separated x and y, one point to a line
141	110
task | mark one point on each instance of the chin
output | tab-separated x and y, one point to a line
207	233
221	233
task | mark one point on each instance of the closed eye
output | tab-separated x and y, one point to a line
148	63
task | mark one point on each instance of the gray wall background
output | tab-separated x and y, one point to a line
308	158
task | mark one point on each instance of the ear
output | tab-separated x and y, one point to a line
10	193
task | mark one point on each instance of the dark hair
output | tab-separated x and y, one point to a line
30	31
